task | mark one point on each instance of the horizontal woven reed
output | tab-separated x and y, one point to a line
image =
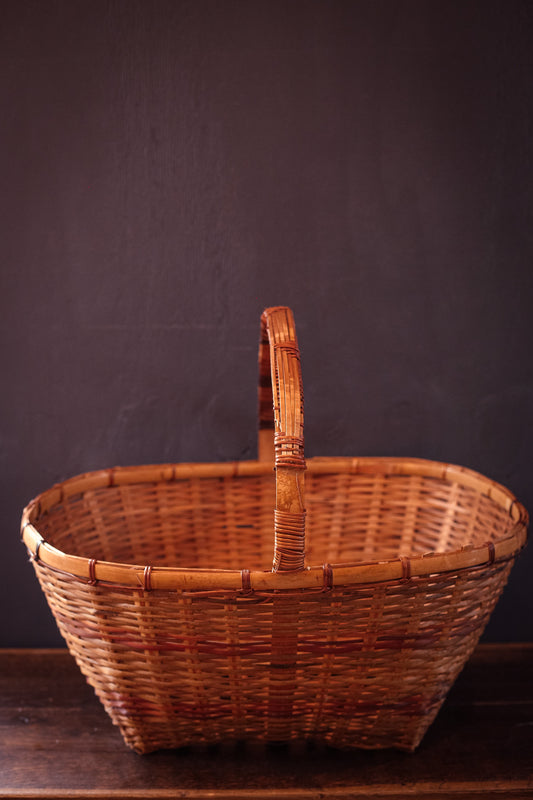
385	571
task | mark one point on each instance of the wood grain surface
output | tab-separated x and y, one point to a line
57	742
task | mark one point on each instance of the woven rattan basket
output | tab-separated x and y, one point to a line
161	582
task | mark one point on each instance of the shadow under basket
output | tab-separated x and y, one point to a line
384	575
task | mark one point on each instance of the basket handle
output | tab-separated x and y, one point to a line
281	437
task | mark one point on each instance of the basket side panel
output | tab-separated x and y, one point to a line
353	667
353	517
209	523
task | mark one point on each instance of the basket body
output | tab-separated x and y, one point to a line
352	663
383	575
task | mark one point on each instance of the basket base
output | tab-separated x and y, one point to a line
402	735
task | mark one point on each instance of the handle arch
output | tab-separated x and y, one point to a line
281	433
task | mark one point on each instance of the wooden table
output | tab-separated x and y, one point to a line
57	742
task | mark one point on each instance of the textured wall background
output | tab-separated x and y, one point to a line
170	168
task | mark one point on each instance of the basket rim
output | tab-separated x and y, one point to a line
320	577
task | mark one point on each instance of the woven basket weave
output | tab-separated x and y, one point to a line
161	581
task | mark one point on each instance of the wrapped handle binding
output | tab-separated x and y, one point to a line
281	437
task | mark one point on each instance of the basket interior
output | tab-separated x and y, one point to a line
227	523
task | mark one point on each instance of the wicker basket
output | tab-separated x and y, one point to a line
161	582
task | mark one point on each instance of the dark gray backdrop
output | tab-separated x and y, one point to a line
170	168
